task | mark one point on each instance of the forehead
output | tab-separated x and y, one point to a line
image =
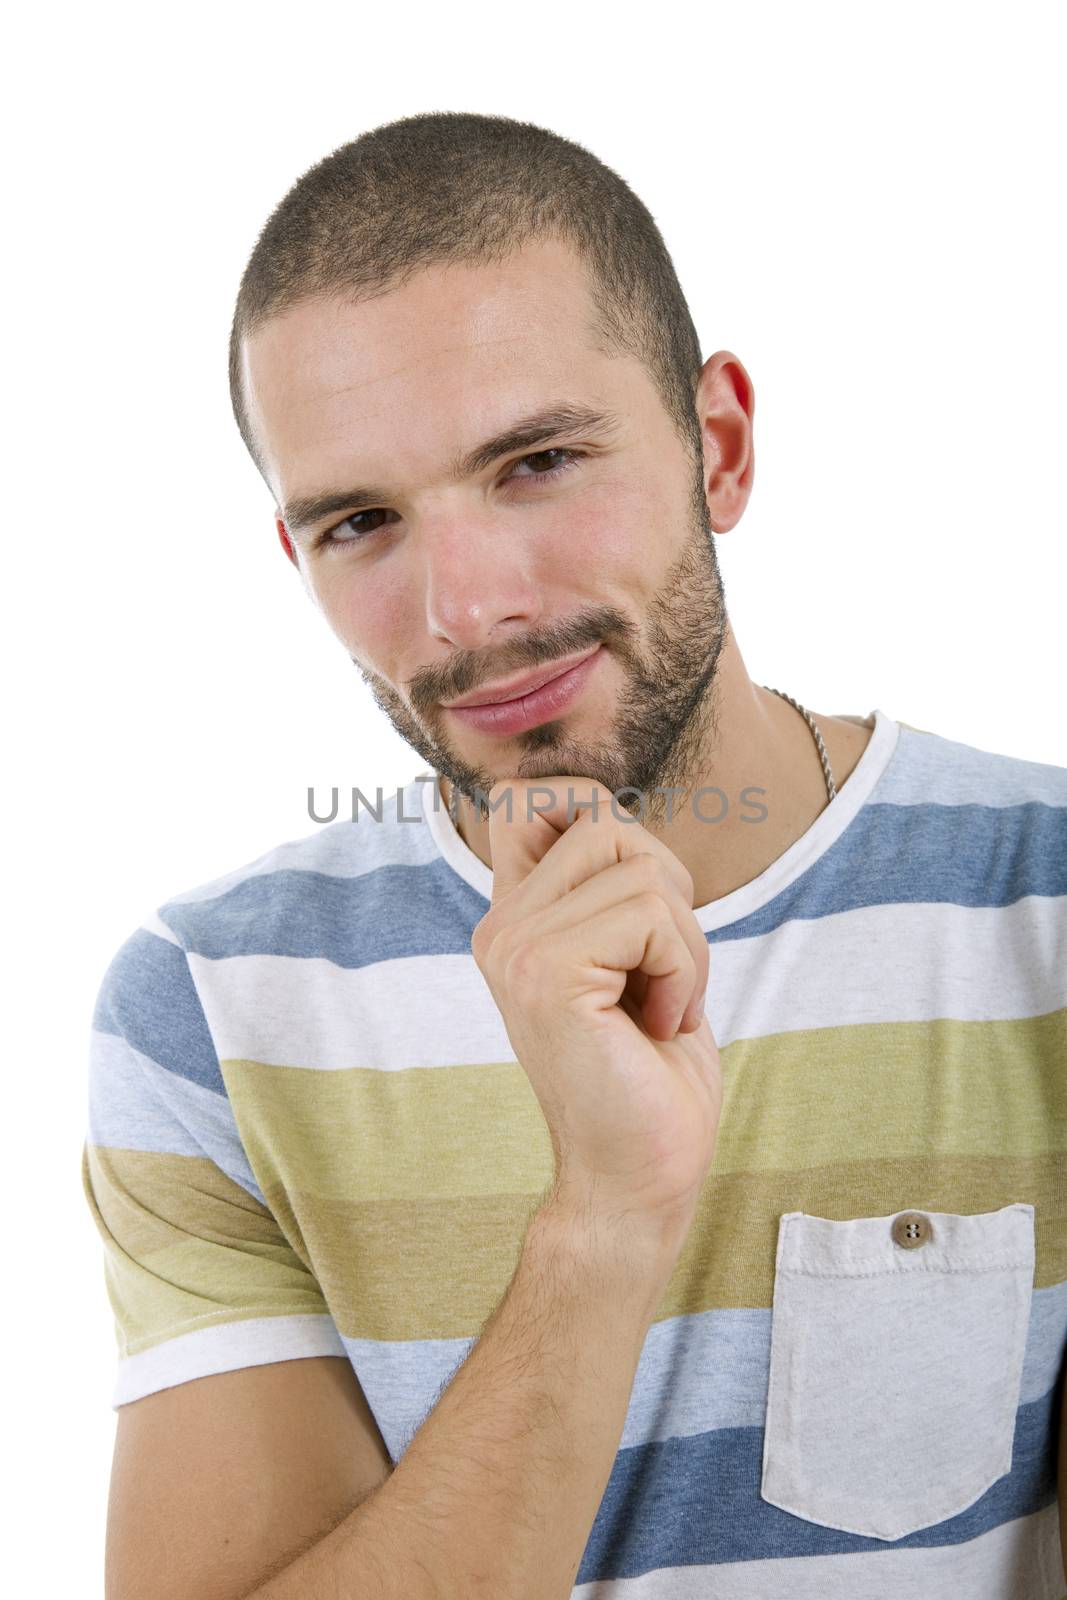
448	355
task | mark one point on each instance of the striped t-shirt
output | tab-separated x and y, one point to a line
308	1135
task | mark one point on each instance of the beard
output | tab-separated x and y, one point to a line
665	723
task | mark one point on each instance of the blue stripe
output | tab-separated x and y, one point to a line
387	913
960	855
904	855
404	1378
696	1502
147	997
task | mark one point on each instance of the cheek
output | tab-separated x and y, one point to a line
368	613
387	610
616	532
612	541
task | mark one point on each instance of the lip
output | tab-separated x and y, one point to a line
497	694
552	698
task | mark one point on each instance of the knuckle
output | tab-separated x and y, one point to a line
647	869
524	967
653	906
652	870
490	941
482	937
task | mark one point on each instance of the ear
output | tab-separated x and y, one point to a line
725	403
286	542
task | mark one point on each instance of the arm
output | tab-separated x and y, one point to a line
497	1492
233	1474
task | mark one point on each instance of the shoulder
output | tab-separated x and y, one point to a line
974	826
930	768
301	897
286	900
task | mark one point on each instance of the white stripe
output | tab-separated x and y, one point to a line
412	1012
914	962
224	1348
933	770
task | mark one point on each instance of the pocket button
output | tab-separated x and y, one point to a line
911	1229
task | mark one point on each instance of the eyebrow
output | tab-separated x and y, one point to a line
303	511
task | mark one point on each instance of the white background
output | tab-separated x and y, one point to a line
863	203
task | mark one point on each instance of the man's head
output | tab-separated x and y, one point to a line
420	293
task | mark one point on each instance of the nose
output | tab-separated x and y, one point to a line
478	583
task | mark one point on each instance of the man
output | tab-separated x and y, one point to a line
514	1190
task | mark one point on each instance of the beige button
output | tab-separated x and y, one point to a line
911	1229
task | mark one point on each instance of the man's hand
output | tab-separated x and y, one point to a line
596	962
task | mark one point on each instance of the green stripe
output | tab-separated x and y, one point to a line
196	1250
970	1116
798	1099
435	1269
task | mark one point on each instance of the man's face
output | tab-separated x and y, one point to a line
441	586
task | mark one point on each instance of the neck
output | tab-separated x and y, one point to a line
759	744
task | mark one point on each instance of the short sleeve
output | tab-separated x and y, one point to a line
200	1277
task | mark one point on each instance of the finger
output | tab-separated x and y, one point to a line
527	817
568	840
614	886
590	961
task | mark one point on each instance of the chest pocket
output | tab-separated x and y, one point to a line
897	1347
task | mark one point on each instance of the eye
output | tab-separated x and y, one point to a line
552	472
356	523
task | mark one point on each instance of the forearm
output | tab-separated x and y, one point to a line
497	1492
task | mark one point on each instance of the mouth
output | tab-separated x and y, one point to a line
515	688
528	701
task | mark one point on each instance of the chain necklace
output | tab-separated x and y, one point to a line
810	720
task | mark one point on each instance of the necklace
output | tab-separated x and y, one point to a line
810	720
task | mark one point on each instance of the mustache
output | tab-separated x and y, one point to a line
470	669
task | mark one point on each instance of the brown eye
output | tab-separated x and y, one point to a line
361	532
332	536
543	455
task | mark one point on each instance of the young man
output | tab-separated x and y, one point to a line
524	1190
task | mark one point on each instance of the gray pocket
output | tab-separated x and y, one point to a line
897	1348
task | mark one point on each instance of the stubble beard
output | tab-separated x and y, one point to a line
666	723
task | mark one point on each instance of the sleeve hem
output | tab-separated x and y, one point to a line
250	1342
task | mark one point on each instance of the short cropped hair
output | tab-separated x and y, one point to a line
443	187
